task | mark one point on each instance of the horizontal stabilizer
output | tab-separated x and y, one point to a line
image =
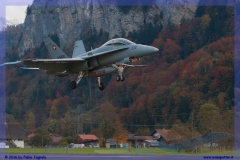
9	63
129	65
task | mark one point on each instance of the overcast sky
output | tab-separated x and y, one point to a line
15	9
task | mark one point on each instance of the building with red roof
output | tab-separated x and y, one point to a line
55	138
89	140
166	136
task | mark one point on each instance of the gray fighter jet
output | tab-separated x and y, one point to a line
114	55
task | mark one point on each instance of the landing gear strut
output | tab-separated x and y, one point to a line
120	69
74	84
100	84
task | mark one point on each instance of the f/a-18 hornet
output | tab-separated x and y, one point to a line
114	55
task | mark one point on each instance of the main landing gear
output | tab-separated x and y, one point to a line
119	77
100	84
74	84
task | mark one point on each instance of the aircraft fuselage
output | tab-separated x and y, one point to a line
114	55
132	51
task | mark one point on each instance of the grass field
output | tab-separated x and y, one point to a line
146	151
123	151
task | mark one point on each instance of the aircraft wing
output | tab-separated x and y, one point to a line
66	60
52	65
90	55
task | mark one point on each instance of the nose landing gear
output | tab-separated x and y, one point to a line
120	78
120	69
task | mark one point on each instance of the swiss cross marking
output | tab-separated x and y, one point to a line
54	47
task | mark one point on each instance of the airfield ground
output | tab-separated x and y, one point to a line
112	151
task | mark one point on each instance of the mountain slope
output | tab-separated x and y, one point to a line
78	22
160	94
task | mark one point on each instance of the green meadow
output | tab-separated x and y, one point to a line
123	151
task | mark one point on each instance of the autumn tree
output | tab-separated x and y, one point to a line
205	20
41	138
209	118
105	120
229	121
171	51
120	135
54	126
143	131
184	130
66	141
30	121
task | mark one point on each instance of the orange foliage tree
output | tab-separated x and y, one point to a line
120	135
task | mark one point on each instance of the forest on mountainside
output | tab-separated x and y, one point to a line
188	84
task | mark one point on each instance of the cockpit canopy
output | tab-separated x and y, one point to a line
118	41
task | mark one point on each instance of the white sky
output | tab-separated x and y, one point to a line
16	10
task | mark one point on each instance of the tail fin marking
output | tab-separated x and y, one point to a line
55	51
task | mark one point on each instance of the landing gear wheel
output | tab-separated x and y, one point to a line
73	85
118	78
101	87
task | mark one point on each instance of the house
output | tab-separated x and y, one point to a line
129	134
30	136
89	140
165	136
4	144
151	143
55	138
72	145
139	141
110	143
15	135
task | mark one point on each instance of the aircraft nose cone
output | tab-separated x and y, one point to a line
155	50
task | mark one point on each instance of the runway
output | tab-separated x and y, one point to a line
107	157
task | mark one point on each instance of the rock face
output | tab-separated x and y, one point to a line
4	23
72	22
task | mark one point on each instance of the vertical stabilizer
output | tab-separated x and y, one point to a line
55	51
78	48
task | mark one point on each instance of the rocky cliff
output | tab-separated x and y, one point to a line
74	22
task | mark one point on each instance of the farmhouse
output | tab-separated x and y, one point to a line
139	141
15	135
165	136
55	138
89	140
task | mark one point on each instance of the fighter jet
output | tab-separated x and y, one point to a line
114	55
